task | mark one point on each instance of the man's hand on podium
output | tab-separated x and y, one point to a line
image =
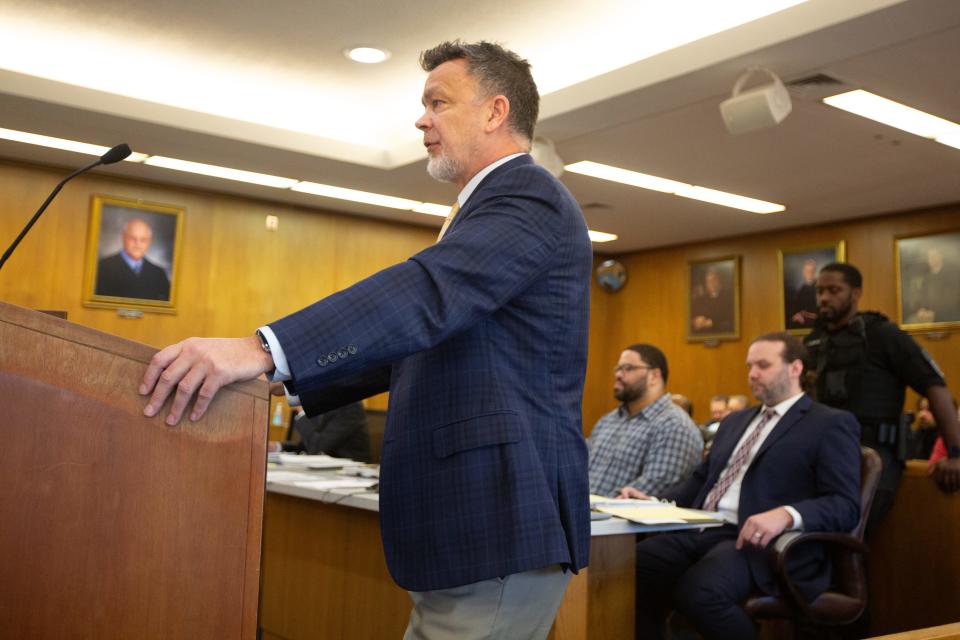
201	366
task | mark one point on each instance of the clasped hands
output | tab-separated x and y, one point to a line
758	530
200	366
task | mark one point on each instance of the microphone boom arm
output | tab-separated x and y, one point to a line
115	154
42	208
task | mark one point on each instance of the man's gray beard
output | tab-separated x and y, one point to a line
443	168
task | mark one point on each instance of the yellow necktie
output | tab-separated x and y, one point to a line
450	216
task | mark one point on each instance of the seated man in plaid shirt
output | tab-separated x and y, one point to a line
647	443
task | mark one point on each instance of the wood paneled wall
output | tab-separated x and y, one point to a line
650	308
234	274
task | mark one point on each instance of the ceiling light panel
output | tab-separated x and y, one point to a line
730	200
433	209
353	195
60	143
673	187
888	112
221	172
624	176
601	236
950	139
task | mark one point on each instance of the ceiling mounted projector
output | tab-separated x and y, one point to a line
755	108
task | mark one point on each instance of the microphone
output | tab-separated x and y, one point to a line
116	154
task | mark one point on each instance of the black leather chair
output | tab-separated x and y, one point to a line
846	599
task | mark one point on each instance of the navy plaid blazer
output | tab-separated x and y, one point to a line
482	342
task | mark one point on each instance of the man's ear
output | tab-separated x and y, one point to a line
796	368
855	293
499	111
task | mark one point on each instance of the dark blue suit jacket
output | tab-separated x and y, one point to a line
810	461
482	340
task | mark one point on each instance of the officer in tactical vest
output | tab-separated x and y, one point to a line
863	363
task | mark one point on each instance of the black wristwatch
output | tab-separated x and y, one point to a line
953	452
263	341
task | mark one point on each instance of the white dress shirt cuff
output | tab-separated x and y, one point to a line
797	519
281	371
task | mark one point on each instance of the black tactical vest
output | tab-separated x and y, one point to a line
840	362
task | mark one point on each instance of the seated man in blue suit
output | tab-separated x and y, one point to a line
791	464
481	340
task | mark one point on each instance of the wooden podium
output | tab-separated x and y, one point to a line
113	525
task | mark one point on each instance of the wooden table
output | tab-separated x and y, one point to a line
914	564
324	573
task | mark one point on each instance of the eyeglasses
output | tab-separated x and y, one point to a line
627	368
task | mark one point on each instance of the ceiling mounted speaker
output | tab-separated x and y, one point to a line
756	108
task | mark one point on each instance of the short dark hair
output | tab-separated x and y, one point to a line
498	71
851	275
793	348
653	357
720	398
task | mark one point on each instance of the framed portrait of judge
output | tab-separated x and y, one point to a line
133	248
798	271
928	281
713	299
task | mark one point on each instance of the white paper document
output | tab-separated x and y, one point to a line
288	476
603	501
315	462
338	483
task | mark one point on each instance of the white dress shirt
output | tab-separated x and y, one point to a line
729	502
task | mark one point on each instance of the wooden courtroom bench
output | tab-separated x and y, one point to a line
914	560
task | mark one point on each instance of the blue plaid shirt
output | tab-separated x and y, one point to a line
651	451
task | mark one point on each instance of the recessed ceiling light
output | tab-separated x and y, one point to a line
664	185
366	55
886	111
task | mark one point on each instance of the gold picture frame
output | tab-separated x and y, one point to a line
928	280
798	294
713	299
133	253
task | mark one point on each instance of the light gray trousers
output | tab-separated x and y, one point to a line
520	606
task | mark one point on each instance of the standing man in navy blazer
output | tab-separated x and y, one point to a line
481	340
792	464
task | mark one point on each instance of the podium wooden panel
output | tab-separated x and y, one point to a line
113	525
